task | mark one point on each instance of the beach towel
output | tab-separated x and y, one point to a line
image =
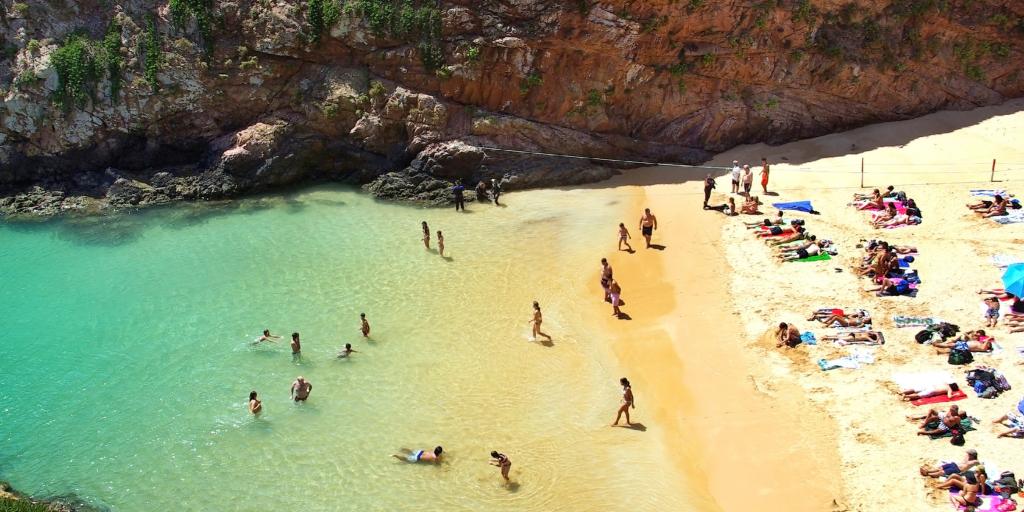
912	321
857	357
959	395
1013	217
966	425
799	206
1005	260
807	338
988	192
817	257
988	503
922	380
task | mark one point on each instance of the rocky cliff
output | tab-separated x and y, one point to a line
117	103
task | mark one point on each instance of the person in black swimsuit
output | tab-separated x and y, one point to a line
709	183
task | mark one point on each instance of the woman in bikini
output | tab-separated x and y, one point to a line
255	405
426	235
538	319
857	338
750	206
502	461
624	237
615	292
969	496
440	243
627	401
880	217
874	203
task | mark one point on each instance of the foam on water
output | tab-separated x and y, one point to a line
128	359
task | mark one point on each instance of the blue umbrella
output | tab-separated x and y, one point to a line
1013	279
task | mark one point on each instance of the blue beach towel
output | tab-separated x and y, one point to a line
807	338
800	206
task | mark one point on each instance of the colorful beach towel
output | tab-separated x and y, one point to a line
913	321
988	503
817	257
959	395
988	192
857	357
808	338
799	206
966	425
1013	217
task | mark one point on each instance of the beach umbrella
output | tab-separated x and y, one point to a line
1013	279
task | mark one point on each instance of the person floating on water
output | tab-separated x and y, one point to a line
296	344
408	455
648	223
536	321
364	326
460	201
624	237
300	389
348	350
440	243
255	405
267	337
502	461
627	401
426	235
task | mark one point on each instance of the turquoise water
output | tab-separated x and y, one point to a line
127	359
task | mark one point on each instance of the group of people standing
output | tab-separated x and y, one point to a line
484	193
744	177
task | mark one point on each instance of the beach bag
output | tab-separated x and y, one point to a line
901	196
1000	381
947	330
957	439
959	355
796	222
1007	484
924	336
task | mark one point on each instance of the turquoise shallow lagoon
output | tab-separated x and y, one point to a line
127	358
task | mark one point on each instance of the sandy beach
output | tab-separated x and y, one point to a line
764	428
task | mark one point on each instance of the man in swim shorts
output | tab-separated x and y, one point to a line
606	278
951	468
408	455
648	223
300	389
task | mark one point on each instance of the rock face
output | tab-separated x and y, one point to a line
141	101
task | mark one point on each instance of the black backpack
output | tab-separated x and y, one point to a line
958	357
944	329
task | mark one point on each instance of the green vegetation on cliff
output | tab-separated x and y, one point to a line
202	11
153	54
81	63
321	15
415	22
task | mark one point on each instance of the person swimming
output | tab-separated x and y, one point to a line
408	455
266	337
255	405
364	326
502	461
348	350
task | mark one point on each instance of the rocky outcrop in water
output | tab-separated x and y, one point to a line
115	104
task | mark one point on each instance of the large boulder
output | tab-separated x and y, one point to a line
453	160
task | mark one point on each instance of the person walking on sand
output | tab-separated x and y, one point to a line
627	402
296	344
615	292
460	201
536	321
440	243
502	461
648	223
606	278
267	337
255	405
748	180
495	190
300	389
426	235
736	170
764	175
624	237
364	326
709	184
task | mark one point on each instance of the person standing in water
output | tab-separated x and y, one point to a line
536	321
296	344
648	223
495	190
255	405
502	461
709	184
347	351
267	336
364	326
426	235
624	237
300	389
615	292
627	401
764	175
440	243
606	278
460	201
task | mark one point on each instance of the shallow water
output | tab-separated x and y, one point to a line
128	359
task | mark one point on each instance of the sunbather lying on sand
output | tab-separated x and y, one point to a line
889	192
900	219
888	287
855	319
951	468
977	341
889	212
800	234
777	231
875	202
944	389
857	338
1015	421
777	221
946	422
934	415
801	251
961	481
